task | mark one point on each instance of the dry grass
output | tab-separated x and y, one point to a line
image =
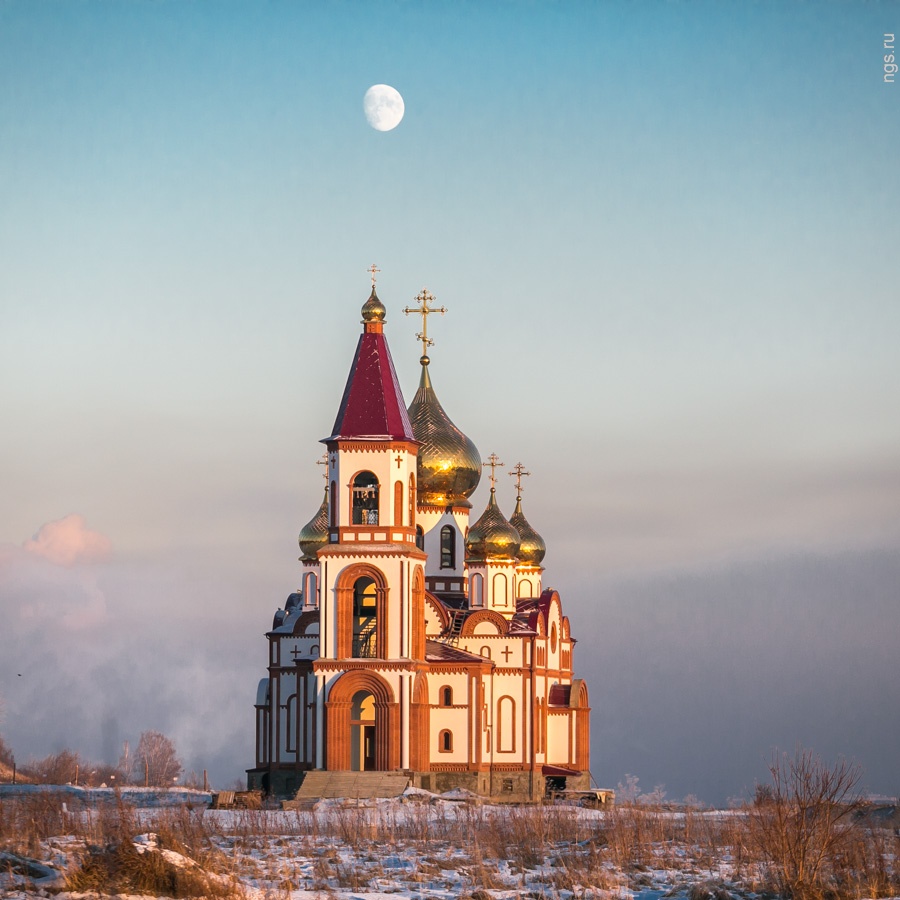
537	850
121	868
110	860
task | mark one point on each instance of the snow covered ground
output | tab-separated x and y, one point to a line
415	846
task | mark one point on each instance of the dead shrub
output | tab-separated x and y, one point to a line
122	868
804	825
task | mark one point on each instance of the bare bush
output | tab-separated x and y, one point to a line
123	867
57	768
803	825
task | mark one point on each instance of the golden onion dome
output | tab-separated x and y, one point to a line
449	466
314	534
373	310
492	537
532	547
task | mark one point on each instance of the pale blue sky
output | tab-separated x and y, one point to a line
667	237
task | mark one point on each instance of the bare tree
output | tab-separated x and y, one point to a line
125	764
804	822
57	768
155	760
628	793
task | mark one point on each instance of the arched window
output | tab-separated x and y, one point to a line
477	590
506	725
290	723
332	505
445	741
485	652
447	696
420	537
365	619
310	589
525	589
398	503
365	499
448	547
500	587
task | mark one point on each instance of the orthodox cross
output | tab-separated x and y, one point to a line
296	652
398	459
323	462
517	472
372	270
424	310
506	651
493	462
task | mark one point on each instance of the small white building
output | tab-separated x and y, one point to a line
417	642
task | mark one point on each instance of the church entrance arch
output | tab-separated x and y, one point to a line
363	725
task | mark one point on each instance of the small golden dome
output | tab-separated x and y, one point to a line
449	465
314	534
532	547
492	537
373	309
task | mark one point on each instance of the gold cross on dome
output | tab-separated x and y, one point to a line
424	310
517	473
493	462
372	270
323	462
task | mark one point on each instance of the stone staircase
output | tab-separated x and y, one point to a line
351	785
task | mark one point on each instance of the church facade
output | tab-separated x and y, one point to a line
417	642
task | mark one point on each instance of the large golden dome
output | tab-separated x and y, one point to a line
532	547
314	534
449	466
492	537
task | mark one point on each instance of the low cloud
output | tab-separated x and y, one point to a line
96	654
49	584
68	542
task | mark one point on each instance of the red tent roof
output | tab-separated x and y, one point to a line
372	407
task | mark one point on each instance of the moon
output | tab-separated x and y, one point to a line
383	107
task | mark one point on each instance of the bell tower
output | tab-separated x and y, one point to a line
371	611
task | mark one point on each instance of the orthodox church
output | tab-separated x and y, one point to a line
418	643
